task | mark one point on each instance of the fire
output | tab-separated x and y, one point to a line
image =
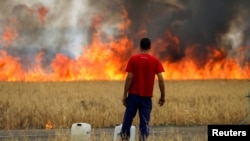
216	66
100	61
49	125
10	68
8	36
106	59
42	12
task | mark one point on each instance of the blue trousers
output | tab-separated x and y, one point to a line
144	106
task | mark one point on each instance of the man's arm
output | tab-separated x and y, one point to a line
126	87
162	89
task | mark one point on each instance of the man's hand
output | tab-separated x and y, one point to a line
162	89
126	88
124	101
161	101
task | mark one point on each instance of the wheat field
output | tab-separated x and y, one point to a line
40	105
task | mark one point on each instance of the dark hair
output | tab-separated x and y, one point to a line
145	43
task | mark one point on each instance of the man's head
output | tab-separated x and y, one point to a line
145	44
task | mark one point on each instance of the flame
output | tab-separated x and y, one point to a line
106	60
100	61
10	68
217	64
42	12
8	36
49	125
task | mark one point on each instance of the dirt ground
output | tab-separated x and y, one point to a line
184	133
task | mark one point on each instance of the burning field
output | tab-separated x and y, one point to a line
57	55
92	40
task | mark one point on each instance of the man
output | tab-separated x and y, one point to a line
138	89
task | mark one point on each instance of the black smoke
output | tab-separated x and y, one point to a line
204	23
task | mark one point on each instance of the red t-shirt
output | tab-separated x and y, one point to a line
144	67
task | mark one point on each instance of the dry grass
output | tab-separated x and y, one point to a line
31	105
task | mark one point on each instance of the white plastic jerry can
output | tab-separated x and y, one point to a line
118	130
80	132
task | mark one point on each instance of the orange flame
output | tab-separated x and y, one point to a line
9	68
217	66
49	125
42	11
107	60
8	36
100	61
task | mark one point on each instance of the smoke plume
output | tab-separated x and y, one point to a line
55	26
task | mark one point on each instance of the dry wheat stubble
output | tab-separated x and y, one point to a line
199	102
